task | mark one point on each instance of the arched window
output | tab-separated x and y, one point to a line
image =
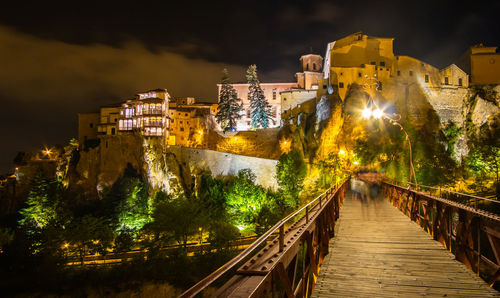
307	66
314	66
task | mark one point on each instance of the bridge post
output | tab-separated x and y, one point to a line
282	238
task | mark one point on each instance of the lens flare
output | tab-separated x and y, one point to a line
367	113
377	113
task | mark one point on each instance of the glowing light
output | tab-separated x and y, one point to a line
240	227
65	245
341	152
356	163
284	142
200	132
367	113
236	138
377	113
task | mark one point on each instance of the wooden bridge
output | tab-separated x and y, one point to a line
403	242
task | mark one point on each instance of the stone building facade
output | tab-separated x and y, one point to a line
482	63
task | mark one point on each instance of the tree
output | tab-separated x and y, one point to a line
291	171
245	199
260	110
128	202
89	234
176	219
41	204
229	104
484	157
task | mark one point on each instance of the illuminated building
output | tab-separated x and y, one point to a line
357	58
307	85
190	121
272	94
482	63
108	119
145	114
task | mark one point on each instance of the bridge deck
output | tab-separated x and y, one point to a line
379	252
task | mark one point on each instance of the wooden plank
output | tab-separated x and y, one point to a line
379	252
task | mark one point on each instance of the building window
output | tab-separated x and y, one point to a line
341	85
382	63
446	82
274	112
459	81
307	66
341	73
91	125
324	86
284	98
314	66
249	112
182	129
359	75
274	94
373	63
411	73
427	78
379	86
399	73
113	131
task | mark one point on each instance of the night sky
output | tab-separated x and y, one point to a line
58	60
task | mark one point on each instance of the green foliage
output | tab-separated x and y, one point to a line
245	199
89	234
222	233
333	169
259	106
229	105
291	171
42	202
451	133
176	219
212	196
483	161
128	202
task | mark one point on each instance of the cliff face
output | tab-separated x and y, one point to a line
98	168
438	120
172	169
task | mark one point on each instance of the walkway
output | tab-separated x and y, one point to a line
379	252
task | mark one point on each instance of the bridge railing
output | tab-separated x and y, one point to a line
286	258
477	202
470	233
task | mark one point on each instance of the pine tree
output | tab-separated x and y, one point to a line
229	105
260	109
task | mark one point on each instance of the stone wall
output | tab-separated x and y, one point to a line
222	164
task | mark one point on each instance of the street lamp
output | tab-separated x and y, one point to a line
394	119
